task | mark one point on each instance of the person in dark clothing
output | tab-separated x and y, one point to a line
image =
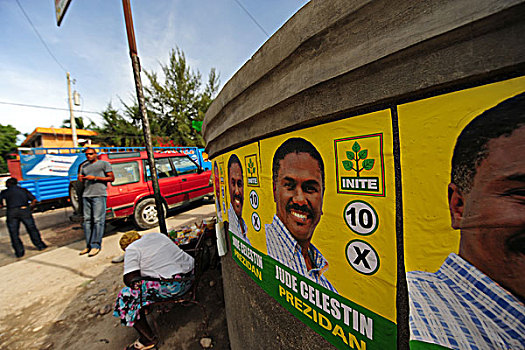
18	209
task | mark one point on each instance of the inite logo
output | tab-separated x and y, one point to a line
360	165
252	171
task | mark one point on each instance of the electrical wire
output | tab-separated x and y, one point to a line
44	107
250	15
39	36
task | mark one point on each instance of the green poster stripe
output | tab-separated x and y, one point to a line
248	258
419	345
340	321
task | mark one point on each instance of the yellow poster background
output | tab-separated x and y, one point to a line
257	238
377	291
220	202
428	132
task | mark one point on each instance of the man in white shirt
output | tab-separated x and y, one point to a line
156	257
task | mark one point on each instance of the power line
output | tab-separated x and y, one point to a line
39	36
44	107
253	18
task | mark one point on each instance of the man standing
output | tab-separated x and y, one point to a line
298	189
95	174
18	209
237	225
475	300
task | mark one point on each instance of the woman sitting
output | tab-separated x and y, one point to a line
156	258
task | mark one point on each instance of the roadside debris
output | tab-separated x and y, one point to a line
206	343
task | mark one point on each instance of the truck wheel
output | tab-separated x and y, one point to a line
145	215
76	188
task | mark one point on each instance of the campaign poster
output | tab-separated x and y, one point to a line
463	179
219	188
311	218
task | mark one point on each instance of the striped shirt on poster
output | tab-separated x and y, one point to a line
459	307
283	247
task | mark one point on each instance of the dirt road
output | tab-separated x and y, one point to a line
56	299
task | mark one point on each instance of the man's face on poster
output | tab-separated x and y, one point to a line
217	182
298	194
236	187
491	216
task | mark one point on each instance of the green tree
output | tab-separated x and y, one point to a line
118	130
178	98
8	135
79	123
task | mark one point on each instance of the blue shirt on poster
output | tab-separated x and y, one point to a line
237	226
459	307
283	247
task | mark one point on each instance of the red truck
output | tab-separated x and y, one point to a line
181	181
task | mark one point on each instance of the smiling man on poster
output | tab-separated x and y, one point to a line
475	300
237	225
298	188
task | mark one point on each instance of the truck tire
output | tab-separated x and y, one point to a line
76	188
145	214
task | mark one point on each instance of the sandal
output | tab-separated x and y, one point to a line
137	345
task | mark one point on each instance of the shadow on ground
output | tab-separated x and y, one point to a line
83	327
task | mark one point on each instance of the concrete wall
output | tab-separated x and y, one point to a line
337	58
350	55
257	321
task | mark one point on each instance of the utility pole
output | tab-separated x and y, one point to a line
142	107
71	116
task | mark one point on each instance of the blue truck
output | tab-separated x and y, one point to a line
48	172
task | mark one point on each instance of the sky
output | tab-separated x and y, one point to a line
91	44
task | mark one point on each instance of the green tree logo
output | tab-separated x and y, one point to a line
251	168
357	155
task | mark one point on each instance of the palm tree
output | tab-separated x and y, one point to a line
79	123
